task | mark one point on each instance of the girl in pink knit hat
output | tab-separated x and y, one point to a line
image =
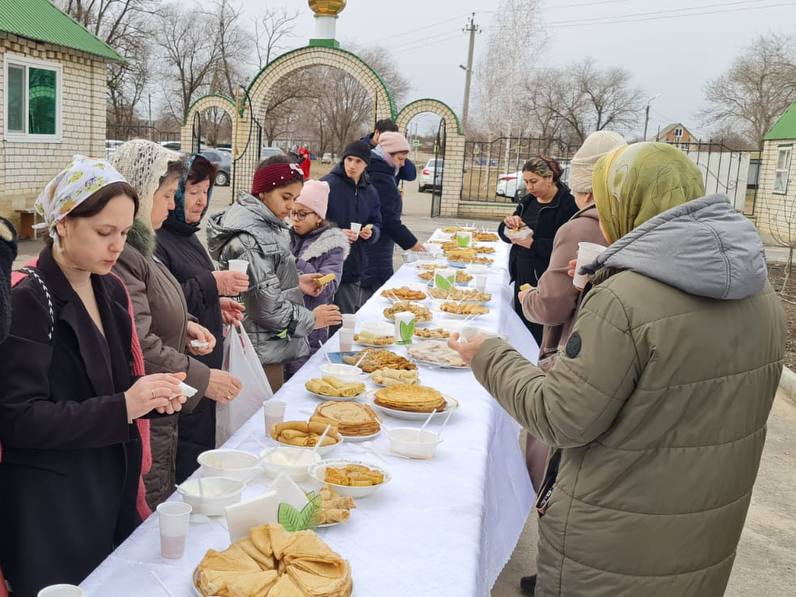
319	247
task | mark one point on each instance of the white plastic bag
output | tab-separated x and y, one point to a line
241	360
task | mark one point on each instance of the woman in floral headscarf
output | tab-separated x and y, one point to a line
71	451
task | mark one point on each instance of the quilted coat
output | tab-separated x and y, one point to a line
658	406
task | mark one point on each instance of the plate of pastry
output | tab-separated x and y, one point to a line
462	277
354	421
436	354
391	377
411	402
352	478
464	295
463	310
329	387
305	434
404	293
422	314
375	334
371	359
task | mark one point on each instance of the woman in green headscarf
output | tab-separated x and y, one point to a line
657	406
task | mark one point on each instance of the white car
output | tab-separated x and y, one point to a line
111	145
326	158
428	174
513	185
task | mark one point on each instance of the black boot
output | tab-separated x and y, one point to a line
528	585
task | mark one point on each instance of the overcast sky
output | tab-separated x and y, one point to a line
670	57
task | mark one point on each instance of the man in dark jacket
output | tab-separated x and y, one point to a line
408	171
352	199
8	252
385	162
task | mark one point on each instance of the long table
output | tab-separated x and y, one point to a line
442	527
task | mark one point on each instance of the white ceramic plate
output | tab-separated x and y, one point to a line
335	398
451	404
360	438
368	345
317	473
446	315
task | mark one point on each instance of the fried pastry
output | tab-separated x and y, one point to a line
365	337
464	308
391	377
353	475
461	294
410	398
461	276
304	434
485	237
432	333
404	293
420	312
375	358
351	418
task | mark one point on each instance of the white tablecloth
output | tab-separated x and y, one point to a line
444	527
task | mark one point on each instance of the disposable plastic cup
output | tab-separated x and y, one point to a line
174	518
479	282
355	228
349	321
587	253
238	265
61	591
274	412
464	238
346	340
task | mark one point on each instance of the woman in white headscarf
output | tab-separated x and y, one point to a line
72	453
161	315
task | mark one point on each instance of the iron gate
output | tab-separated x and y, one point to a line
439	169
249	155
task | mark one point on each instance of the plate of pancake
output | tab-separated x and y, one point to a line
411	402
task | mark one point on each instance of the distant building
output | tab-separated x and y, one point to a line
53	75
676	134
776	196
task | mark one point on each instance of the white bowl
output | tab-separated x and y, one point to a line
342	371
233	464
217	493
413	443
297	470
317	472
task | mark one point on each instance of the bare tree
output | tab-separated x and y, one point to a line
582	98
271	30
126	26
756	89
187	40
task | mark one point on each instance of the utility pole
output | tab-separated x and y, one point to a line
151	132
647	115
472	29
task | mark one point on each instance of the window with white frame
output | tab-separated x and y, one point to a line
783	169
32	99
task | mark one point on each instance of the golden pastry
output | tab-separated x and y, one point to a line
461	294
366	337
351	418
485	237
371	359
419	399
334	388
464	308
432	333
461	276
304	434
335	508
353	475
420	312
390	377
404	293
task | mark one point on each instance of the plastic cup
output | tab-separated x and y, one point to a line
479	282
238	265
273	412
444	278
355	228
346	340
404	327
174	518
587	253
349	321
61	591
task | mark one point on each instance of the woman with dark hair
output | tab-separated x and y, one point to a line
254	229
72	453
546	207
162	319
206	292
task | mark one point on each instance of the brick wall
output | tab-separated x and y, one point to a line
776	213
26	167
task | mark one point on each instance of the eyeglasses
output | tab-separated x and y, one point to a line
299	215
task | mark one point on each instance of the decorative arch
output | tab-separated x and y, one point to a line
454	149
204	103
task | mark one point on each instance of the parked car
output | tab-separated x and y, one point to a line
326	158
428	175
267	152
111	145
173	145
223	163
225	150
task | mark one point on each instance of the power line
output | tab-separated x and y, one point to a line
432	42
431	26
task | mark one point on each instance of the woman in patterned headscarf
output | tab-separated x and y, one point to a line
72	454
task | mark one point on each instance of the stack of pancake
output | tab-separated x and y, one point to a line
418	399
273	562
351	418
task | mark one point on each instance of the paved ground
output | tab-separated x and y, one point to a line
766	562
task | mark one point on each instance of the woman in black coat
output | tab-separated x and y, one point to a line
183	254
8	252
71	462
547	206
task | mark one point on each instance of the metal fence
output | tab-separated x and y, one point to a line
492	169
140	131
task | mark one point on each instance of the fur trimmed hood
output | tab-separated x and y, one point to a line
319	242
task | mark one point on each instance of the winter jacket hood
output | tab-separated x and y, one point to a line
703	247
319	242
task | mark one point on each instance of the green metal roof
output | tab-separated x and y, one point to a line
785	127
41	21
